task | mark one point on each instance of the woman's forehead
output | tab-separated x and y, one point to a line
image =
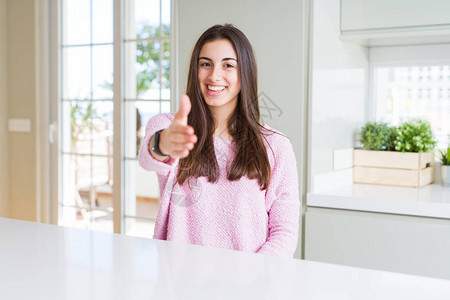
218	50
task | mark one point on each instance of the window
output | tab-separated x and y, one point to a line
88	104
413	86
407	92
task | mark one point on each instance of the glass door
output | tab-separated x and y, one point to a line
95	113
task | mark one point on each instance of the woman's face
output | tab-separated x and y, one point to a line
218	75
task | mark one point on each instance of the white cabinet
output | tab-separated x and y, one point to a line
388	14
395	22
405	244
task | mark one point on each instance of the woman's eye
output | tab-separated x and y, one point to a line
205	64
229	66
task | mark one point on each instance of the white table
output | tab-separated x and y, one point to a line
39	261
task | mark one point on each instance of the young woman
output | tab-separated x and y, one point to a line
225	180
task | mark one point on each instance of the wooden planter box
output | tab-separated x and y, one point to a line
393	168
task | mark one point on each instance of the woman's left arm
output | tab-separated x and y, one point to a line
282	199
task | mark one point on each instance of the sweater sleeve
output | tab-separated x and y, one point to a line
282	200
145	158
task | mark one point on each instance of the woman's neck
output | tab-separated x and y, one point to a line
221	116
222	129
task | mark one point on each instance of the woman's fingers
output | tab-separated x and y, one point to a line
183	138
182	129
178	145
180	154
182	146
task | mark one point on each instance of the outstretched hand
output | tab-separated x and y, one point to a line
179	138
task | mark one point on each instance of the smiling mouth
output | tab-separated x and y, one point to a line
215	88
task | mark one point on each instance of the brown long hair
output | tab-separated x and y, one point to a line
243	125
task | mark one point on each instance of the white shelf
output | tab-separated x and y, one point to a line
428	201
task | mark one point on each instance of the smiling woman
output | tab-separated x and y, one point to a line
239	191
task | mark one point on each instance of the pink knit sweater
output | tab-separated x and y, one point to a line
228	214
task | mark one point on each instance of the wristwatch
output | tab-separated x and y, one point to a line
155	144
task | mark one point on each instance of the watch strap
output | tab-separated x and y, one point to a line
155	144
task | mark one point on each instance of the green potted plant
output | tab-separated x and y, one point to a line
377	136
414	136
445	166
395	155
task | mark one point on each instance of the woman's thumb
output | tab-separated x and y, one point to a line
183	111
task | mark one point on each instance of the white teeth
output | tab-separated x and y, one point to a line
216	88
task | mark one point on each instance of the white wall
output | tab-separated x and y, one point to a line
338	90
4	207
275	29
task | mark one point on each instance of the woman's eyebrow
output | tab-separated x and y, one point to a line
223	59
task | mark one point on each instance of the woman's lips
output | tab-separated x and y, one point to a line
215	90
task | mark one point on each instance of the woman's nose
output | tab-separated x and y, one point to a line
215	74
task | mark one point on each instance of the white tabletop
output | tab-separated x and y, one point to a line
428	201
39	261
